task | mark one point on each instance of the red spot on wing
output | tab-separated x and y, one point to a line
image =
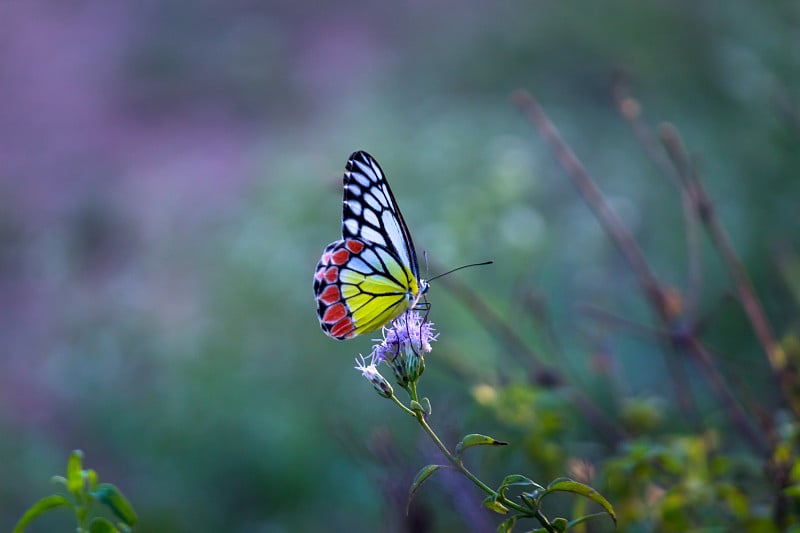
334	314
332	274
354	246
330	295
344	329
340	257
331	310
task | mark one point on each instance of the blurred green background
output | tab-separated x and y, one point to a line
169	175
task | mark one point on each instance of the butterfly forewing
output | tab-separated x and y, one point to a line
370	276
370	210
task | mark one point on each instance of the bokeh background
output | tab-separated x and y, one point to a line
170	172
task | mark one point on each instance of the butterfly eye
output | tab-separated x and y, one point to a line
423	286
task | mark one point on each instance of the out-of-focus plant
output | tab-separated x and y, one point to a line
404	345
83	493
681	481
741	475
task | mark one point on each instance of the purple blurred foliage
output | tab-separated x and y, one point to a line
92	180
68	131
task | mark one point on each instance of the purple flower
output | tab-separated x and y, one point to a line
403	346
370	371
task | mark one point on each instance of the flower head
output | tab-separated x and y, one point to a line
408	331
403	346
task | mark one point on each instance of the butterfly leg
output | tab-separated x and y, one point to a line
424	306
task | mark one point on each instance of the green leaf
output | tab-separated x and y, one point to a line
91	475
424	473
494	505
792	492
426	406
415	406
39	508
560	524
516	480
519	480
581	520
568	485
531	499
508	524
74	474
111	496
737	501
475	439
101	525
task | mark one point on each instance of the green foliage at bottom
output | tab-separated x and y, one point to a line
83	492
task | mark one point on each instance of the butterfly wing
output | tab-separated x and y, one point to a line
370	276
371	213
359	288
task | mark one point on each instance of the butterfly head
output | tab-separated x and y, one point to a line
423	286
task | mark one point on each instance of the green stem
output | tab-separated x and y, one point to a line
412	391
80	511
402	406
455	461
458	464
544	521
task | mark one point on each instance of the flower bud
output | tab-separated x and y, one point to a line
380	383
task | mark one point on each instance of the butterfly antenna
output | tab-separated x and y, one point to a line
460	268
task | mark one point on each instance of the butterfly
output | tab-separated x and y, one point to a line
371	275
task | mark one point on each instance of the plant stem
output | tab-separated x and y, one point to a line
654	292
402	406
458	464
412	391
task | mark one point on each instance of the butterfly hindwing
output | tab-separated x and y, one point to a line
370	276
357	290
335	317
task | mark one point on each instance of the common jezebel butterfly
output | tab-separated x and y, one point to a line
371	275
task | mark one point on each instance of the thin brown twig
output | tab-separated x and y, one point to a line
607	317
591	194
670	158
631	251
744	287
544	375
678	378
535	306
631	111
643	330
494	322
694	266
787	107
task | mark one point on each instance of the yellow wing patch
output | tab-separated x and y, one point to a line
375	299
